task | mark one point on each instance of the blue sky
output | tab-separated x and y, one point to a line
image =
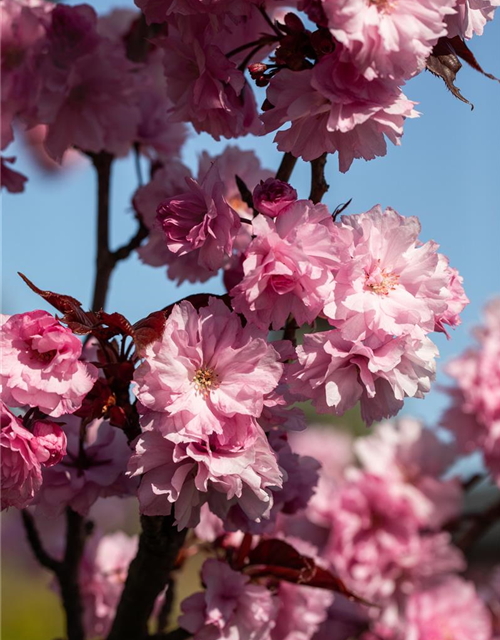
446	172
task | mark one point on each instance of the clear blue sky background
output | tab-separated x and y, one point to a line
446	172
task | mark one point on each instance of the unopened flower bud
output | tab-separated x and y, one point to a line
272	197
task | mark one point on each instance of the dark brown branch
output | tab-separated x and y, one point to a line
149	573
286	167
135	242
65	571
479	527
291	327
166	609
104	265
319	185
36	544
175	634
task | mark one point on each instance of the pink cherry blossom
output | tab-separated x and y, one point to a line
200	220
41	365
474	416
86	473
165	183
21	471
410	454
336	373
49	442
385	38
205	87
332	107
235	466
206	369
301	611
11	180
102	576
288	267
231	606
456	299
451	609
471	17
272	197
393	284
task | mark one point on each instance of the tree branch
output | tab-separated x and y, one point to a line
149	573
319	185
286	167
36	545
104	265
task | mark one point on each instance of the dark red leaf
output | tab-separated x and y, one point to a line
444	63
148	330
116	323
462	50
78	320
277	559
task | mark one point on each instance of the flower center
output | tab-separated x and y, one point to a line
381	281
384	6
205	379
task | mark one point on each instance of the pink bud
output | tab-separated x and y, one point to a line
49	443
272	197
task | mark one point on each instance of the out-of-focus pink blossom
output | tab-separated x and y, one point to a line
288	266
230	607
88	472
301	611
451	609
393	285
474	416
414	456
234	467
336	373
21	472
272	197
332	107
41	366
207	368
11	180
456	300
157	12
103	572
386	38
49	442
471	17
200	220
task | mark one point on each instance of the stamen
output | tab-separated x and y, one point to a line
205	379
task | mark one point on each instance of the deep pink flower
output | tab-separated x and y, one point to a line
86	473
200	220
451	609
393	285
414	456
207	369
332	107
11	180
288	267
336	373
385	38
166	182
49	442
236	466
41	365
205	87
157	12
272	197
21	471
230	607
471	17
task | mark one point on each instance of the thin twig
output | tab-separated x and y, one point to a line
36	545
149	573
244	47
138	168
134	243
270	22
286	167
319	185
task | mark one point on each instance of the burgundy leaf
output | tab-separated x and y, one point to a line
148	330
444	63
462	50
